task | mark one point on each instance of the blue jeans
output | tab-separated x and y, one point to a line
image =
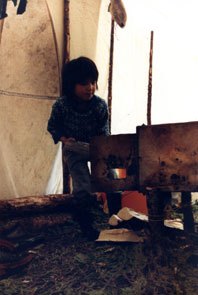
78	168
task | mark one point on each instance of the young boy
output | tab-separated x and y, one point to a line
78	116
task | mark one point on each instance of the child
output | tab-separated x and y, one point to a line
78	116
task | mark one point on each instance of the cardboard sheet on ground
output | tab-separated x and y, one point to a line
119	235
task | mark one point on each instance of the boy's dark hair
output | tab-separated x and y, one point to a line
77	71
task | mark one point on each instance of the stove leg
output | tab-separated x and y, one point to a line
187	211
155	206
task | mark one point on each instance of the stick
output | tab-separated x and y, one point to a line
150	81
66	174
1	28
111	73
66	32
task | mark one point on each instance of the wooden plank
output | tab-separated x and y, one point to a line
168	156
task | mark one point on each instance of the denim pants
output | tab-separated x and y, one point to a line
78	168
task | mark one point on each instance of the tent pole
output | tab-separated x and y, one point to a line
150	81
66	58
66	32
1	28
110	73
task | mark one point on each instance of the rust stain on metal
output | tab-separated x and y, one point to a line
168	156
113	152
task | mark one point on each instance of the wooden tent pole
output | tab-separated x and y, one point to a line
150	81
1	28
66	32
66	58
110	73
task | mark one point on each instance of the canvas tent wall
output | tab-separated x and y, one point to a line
31	56
29	81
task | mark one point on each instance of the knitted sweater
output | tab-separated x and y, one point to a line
68	118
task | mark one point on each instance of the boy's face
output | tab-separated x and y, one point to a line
85	90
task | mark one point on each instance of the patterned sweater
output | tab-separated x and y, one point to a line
70	119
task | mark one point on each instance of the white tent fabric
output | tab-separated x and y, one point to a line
31	56
89	36
175	64
29	83
90	26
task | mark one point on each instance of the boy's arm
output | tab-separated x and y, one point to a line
103	121
55	123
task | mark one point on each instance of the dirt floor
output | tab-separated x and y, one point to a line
66	263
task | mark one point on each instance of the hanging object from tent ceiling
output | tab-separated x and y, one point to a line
118	12
20	10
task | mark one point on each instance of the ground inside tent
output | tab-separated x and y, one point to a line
64	262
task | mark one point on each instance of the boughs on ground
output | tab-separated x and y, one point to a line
66	263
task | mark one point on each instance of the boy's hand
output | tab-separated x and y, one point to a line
66	140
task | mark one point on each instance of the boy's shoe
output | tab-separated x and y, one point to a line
84	218
90	233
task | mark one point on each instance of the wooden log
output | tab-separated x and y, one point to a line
31	224
32	205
